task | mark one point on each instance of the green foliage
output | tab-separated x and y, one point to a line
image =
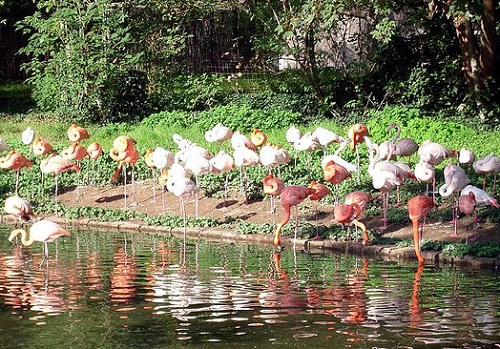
82	64
245	118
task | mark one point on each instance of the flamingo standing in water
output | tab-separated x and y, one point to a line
44	231
19	208
359	198
15	161
418	208
273	187
291	196
181	186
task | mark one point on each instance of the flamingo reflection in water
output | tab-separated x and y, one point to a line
124	273
282	294
415	310
26	289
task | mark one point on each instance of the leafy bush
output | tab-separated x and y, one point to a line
244	118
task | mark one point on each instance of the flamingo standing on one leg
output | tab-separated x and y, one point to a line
124	153
94	151
273	187
44	231
222	162
75	152
418	208
489	164
290	196
56	164
15	161
28	136
320	191
455	180
183	187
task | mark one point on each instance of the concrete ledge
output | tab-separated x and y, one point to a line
384	252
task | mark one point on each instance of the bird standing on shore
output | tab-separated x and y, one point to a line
291	196
18	207
15	161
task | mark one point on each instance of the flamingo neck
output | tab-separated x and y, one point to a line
24	237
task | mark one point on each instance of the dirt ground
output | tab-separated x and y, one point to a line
154	202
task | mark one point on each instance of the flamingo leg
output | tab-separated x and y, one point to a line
226	184
45	255
133	185
385	203
55	192
16	176
77	191
125	186
296	224
153	177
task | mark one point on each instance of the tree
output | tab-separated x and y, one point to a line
82	55
307	31
475	26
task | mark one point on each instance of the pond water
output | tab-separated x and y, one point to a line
131	290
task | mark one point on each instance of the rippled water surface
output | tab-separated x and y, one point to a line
125	290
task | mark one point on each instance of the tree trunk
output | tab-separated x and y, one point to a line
488	57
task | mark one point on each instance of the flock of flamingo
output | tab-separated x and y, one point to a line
177	171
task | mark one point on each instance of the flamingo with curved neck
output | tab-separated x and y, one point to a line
44	231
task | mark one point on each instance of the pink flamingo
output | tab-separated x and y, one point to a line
455	180
418	208
19	208
470	199
15	161
290	196
44	231
273	187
